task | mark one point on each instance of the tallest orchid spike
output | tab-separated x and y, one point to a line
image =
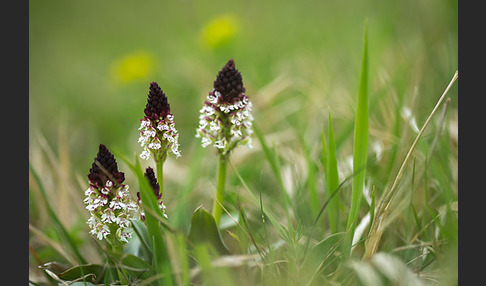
157	129
225	120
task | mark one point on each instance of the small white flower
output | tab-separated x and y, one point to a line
115	205
145	155
154	145
235	121
207	110
162	127
236	133
219	144
92	222
108	217
103	232
105	191
149	133
144	123
89	191
124	233
213	126
176	152
205	142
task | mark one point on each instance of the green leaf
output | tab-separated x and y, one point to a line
139	245
204	230
136	267
84	270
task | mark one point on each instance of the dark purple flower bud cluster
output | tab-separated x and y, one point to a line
104	168
157	105
229	84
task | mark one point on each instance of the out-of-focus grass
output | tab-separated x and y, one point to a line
75	45
91	63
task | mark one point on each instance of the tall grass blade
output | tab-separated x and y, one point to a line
332	179
272	158
360	148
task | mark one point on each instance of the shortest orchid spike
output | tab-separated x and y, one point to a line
158	134
108	200
150	175
225	120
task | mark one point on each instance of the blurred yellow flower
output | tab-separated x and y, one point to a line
132	67
219	31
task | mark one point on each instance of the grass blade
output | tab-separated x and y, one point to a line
275	165
360	148
332	179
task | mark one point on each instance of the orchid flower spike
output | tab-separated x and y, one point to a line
225	120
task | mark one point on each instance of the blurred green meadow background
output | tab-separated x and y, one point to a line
91	63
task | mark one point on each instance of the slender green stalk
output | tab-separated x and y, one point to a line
115	252
160	175
218	201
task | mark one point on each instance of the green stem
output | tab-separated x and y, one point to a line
218	201
160	175
115	252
